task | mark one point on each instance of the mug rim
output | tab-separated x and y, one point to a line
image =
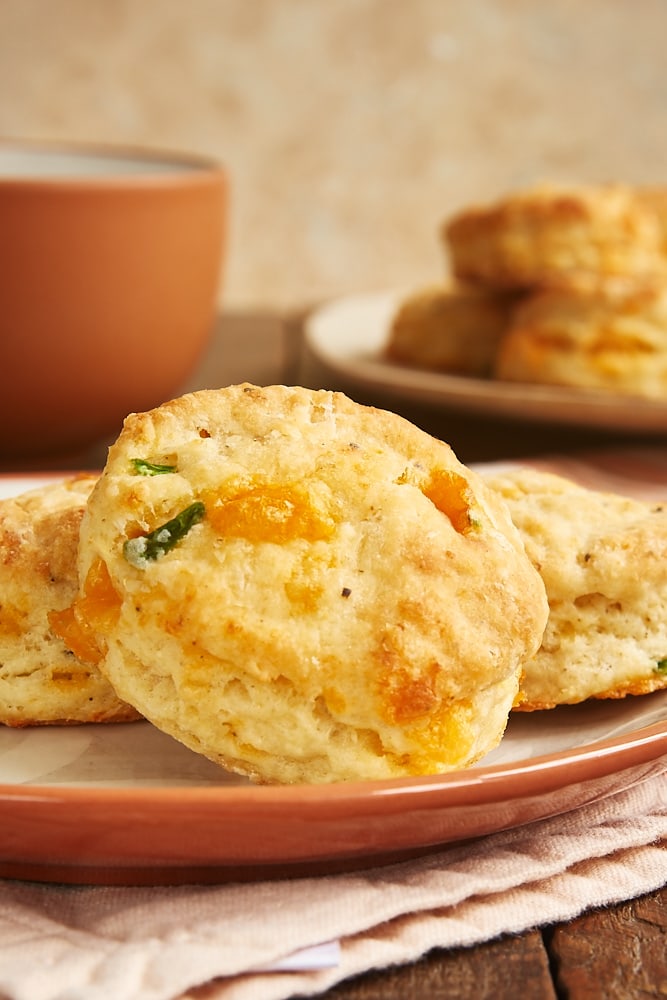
160	166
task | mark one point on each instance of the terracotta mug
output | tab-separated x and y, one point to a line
110	266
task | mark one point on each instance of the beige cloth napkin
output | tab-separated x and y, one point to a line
99	943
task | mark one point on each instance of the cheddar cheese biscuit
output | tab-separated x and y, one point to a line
535	237
609	336
450	329
603	560
306	589
42	682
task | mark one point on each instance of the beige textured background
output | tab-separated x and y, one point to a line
350	127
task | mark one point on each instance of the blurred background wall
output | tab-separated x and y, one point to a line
350	128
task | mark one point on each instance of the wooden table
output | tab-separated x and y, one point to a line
617	953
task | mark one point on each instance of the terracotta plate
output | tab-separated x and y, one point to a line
126	804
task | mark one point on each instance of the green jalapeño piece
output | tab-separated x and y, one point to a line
661	666
147	548
144	468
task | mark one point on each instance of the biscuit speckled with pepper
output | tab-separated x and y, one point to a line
302	588
603	559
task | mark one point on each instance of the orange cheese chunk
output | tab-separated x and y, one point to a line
267	513
93	612
451	494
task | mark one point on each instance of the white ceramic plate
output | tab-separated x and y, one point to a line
346	339
127	804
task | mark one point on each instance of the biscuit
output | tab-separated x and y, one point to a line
655	200
539	236
603	560
307	589
609	336
450	329
41	682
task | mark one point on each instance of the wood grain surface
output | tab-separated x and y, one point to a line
619	953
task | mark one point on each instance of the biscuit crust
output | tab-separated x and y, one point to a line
348	602
608	336
603	559
539	236
41	682
655	200
454	329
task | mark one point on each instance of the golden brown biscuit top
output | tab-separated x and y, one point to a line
533	237
281	546
611	205
39	532
587	541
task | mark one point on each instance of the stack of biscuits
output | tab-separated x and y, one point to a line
559	286
305	589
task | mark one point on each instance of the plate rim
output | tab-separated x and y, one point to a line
545	402
642	740
432	816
